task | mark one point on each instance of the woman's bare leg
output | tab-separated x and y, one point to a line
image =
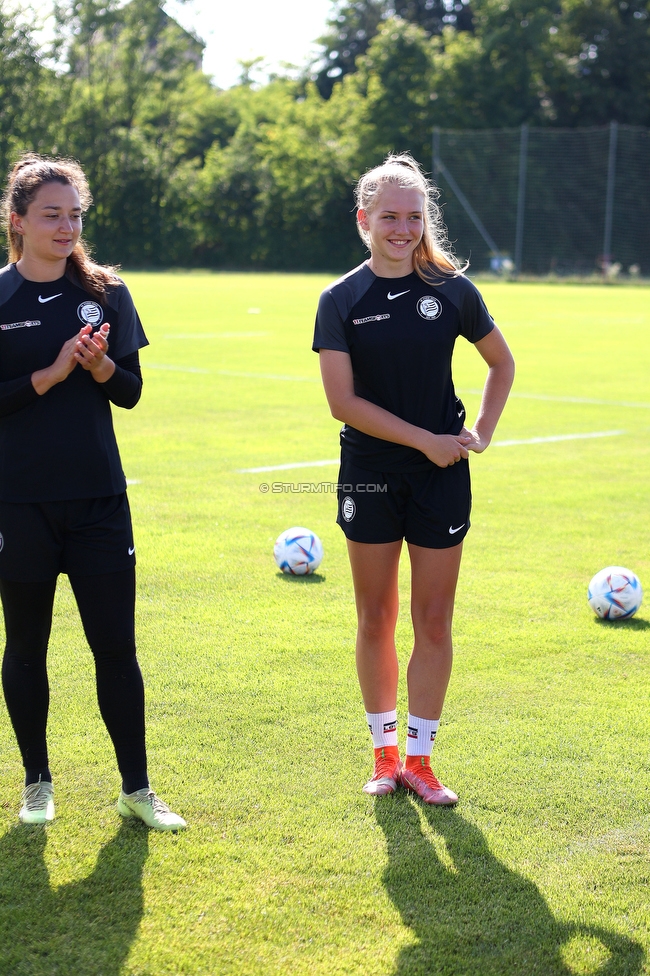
434	574
374	573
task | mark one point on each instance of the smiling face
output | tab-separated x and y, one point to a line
50	228
395	226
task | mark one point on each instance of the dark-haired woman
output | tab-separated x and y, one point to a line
385	333
63	505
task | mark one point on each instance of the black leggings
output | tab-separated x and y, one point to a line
106	605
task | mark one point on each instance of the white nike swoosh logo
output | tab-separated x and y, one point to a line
44	300
453	531
398	295
460	413
132	550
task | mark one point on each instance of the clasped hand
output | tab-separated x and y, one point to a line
91	348
449	448
85	348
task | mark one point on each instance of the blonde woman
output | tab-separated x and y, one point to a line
385	333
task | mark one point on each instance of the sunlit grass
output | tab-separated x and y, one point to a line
256	731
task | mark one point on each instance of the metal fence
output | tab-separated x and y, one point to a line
547	201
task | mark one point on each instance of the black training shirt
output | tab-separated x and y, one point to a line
61	445
400	335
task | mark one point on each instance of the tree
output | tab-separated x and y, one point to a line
497	76
433	15
261	176
601	52
138	108
351	29
354	24
387	100
279	193
557	62
27	92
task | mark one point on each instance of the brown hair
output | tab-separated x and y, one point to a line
434	255
30	173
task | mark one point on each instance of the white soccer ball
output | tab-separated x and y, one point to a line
298	551
615	593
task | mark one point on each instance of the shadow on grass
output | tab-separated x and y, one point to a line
309	578
84	928
473	916
631	623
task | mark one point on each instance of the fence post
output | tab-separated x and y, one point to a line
521	197
609	199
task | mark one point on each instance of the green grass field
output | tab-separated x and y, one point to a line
255	724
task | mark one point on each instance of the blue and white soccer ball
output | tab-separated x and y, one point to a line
298	551
615	593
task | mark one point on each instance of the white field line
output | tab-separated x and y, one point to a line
566	399
530	440
215	335
175	369
560	437
269	376
230	372
316	379
288	467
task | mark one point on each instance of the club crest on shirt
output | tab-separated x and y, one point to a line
91	313
429	308
348	508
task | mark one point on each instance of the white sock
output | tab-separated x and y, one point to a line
420	735
383	728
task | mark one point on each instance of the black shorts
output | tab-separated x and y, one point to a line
427	508
81	537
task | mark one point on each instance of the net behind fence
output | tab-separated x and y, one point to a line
548	201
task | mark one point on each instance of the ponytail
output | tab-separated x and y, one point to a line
434	254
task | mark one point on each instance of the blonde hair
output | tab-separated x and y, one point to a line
434	255
30	173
